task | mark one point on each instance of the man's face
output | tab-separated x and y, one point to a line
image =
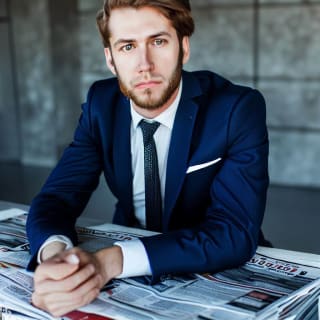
146	56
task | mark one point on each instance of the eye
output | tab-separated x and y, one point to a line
126	48
159	42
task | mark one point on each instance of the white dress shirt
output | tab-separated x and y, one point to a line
135	259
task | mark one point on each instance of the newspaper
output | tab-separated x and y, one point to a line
14	246
266	287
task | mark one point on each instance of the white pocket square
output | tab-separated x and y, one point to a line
202	165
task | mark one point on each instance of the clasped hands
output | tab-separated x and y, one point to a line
71	279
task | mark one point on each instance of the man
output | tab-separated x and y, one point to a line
212	148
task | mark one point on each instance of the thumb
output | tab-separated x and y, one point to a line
72	259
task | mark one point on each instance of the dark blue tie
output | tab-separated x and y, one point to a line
153	200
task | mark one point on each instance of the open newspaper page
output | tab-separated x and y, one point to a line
263	288
266	287
259	288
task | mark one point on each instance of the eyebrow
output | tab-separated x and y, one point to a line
159	34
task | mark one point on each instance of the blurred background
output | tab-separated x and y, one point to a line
50	53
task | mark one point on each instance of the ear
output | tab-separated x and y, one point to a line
109	60
186	49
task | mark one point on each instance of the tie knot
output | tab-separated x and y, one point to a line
148	130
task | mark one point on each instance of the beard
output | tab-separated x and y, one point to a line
149	102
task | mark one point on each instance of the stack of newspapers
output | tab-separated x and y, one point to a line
274	284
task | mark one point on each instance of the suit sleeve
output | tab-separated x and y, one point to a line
67	190
228	235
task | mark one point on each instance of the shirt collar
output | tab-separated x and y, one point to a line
165	118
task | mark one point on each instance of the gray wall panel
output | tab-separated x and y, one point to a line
294	158
65	59
290	46
288	2
92	5
3	8
34	75
223	42
292	104
207	3
93	65
9	133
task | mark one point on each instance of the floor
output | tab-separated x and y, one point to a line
292	216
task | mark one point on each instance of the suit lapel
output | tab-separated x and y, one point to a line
122	155
180	144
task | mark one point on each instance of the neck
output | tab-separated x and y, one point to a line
149	114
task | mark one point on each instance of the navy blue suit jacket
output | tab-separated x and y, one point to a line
212	216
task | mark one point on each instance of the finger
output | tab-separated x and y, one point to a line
59	303
54	270
67	284
58	310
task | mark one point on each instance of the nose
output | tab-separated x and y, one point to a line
145	60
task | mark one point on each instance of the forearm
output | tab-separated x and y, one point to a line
210	247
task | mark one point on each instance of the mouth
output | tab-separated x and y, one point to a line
146	84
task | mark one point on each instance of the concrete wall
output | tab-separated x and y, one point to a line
53	53
9	128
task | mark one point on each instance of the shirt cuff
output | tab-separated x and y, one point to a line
135	259
54	238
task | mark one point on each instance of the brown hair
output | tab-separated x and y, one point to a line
177	11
